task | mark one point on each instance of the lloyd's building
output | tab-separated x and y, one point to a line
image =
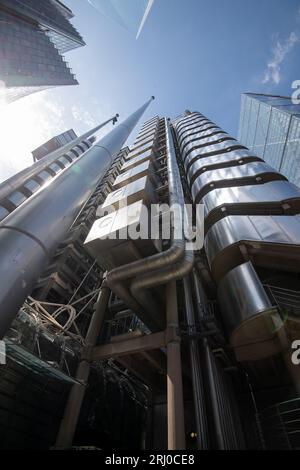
153	344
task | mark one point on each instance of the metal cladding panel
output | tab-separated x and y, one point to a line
211	145
150	130
147	155
141	189
200	124
134	152
195	125
272	197
114	239
143	169
236	157
187	118
258	234
152	123
203	126
190	122
248	314
270	192
197	135
249	173
144	138
217	149
113	224
205	141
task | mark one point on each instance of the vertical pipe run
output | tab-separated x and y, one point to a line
176	430
197	379
209	367
72	410
214	397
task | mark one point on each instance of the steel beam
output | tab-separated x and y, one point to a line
129	346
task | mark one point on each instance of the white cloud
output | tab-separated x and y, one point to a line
81	115
279	53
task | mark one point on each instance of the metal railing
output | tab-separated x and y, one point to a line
280	425
121	324
287	300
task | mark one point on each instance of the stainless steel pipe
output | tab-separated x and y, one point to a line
31	234
196	370
13	183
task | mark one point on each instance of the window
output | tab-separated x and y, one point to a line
44	175
3	212
55	167
17	198
32	185
278	129
291	159
64	161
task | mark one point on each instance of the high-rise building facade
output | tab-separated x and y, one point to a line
270	127
33	36
130	14
53	144
177	346
15	191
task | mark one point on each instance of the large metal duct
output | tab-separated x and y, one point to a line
252	322
31	234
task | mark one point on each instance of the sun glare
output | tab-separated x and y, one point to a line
24	125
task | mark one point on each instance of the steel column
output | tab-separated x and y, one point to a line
175	407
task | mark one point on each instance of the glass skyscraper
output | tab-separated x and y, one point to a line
131	14
33	36
270	127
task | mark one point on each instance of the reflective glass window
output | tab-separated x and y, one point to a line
32	185
291	159
3	212
278	128
17	198
55	167
44	175
261	129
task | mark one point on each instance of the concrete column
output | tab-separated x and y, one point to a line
176	430
70	419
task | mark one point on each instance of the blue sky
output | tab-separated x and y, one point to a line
192	54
